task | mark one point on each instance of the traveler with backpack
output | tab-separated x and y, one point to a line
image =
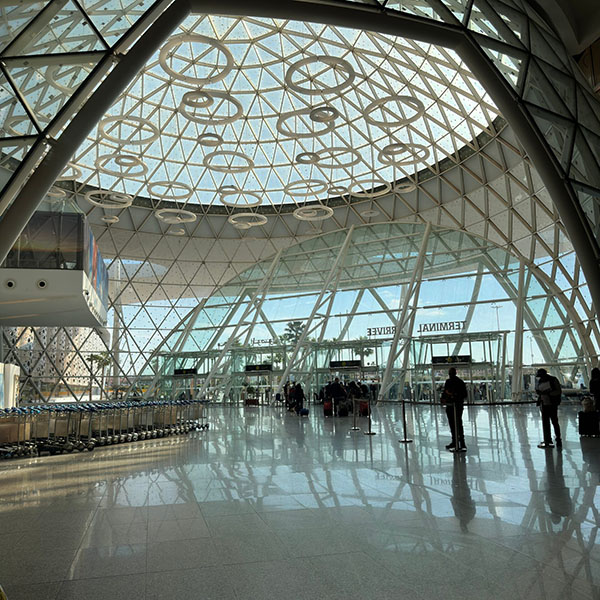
549	395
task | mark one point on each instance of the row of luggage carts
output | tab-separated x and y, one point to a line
58	428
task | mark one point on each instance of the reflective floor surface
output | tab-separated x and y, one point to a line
267	505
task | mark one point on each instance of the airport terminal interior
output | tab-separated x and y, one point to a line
245	246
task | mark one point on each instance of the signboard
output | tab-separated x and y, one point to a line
193	371
250	368
345	364
461	359
423	328
443	326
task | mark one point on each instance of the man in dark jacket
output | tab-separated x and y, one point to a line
549	395
453	396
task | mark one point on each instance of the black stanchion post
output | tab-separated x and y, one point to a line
404	440
354	425
369	432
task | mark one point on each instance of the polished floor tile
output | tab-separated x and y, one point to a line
266	506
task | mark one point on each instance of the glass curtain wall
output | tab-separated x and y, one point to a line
394	298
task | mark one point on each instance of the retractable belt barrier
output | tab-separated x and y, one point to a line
58	428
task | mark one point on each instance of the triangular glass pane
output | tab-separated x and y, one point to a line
420	8
485	21
15	15
114	18
46	88
66	32
539	91
509	65
557	132
515	19
10	151
14	120
548	49
458	8
588	109
584	164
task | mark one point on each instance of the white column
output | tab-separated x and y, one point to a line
255	303
517	375
403	322
332	276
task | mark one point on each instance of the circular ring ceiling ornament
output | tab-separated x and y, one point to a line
230	157
171	190
307	158
136	126
197	99
338	157
384	105
302	188
367	187
402	155
56	193
175	216
247	220
210	140
126	162
209	61
176	231
109	200
405	188
313	213
233	196
110	219
284	128
70	173
324	114
188	108
320	78
369	213
337	190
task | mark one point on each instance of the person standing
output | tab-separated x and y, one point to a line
453	396
338	393
299	398
549	395
595	387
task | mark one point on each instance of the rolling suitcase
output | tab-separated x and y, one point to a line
343	409
363	408
328	408
588	423
304	412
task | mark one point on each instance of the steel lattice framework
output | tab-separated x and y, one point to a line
465	114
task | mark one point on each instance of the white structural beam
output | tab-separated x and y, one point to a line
517	372
327	291
242	327
409	305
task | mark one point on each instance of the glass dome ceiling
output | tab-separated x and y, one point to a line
250	112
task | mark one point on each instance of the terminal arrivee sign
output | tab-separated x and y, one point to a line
423	328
